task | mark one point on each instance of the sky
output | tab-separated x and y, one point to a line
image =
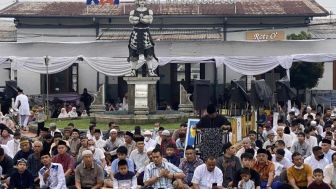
329	5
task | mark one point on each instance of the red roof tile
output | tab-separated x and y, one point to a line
243	8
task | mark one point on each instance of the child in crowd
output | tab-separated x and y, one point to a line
171	156
245	182
318	180
122	155
124	178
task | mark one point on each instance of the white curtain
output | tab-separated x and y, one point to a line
247	65
3	60
37	64
109	66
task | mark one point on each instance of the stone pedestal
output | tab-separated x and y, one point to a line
98	104
185	103
141	95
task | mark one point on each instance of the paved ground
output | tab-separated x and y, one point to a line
28	134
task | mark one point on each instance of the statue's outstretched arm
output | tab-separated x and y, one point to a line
147	19
133	19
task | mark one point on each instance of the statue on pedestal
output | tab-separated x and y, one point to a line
141	45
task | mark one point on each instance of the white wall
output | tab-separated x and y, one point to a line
29	82
87	78
4	74
56	35
326	82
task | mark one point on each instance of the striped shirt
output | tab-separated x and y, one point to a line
152	170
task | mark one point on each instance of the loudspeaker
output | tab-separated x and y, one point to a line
201	95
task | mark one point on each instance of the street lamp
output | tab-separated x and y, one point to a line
46	62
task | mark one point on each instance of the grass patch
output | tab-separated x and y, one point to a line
84	124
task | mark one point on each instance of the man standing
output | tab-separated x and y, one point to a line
189	164
208	175
86	98
299	175
212	133
228	164
34	160
160	174
66	161
89	175
51	174
22	103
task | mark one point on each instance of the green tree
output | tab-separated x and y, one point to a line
304	75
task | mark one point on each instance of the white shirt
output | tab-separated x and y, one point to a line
140	160
328	155
288	154
63	115
312	141
286	138
73	114
56	179
319	129
294	137
150	144
310	160
100	143
13	147
284	162
306	115
22	102
98	156
329	174
205	179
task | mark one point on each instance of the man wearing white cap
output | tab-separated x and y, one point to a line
270	141
113	143
149	142
309	112
167	140
282	136
89	175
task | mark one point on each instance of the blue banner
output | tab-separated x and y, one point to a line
191	132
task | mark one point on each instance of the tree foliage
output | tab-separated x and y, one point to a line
304	75
301	36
